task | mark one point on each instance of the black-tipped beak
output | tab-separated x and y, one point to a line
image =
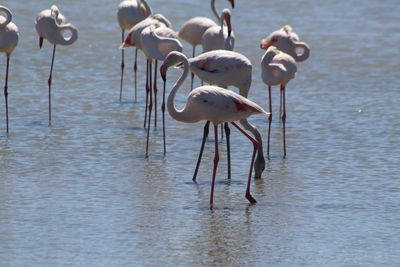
232	3
163	73
40	42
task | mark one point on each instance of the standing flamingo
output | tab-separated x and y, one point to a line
193	29
133	38
157	43
227	68
219	37
8	41
214	104
51	25
277	68
130	12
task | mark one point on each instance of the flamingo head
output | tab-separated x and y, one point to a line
232	3
172	59
282	37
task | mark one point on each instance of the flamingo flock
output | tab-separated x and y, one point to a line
218	66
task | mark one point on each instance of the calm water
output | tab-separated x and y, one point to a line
82	193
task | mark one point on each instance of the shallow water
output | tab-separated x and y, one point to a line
81	192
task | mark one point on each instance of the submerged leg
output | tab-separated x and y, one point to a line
205	134
249	197
216	159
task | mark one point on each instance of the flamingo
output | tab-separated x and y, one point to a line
51	25
277	68
214	104
219	37
133	38
227	68
130	12
287	41
193	29
8	41
157	42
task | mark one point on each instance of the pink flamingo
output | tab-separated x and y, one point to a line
157	43
51	25
227	68
287	41
133	38
193	29
131	12
219	37
277	68
211	103
8	41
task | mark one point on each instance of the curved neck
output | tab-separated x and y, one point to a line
214	11
59	38
179	115
8	16
306	51
147	8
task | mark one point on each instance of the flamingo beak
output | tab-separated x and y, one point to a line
163	72
232	3
40	42
127	42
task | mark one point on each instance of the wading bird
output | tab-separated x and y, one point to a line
130	12
51	25
193	29
8	41
277	68
211	103
227	68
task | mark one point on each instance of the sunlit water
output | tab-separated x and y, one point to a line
82	193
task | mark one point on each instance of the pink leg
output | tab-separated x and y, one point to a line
155	93
216	159
122	66
150	108
147	93
269	118
249	197
284	120
6	89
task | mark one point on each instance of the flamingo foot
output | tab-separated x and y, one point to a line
250	198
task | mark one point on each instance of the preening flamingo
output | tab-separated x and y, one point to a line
227	68
133	38
219	37
287	41
157	43
8	41
277	68
51	25
214	104
130	12
193	29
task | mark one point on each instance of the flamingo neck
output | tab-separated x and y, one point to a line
8	14
179	115
214	10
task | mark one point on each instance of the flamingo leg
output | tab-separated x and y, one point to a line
49	81
192	74
122	66
147	93
150	108
249	197
163	117
216	159
135	73
203	142
155	93
6	89
228	148
284	120
280	104
269	118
